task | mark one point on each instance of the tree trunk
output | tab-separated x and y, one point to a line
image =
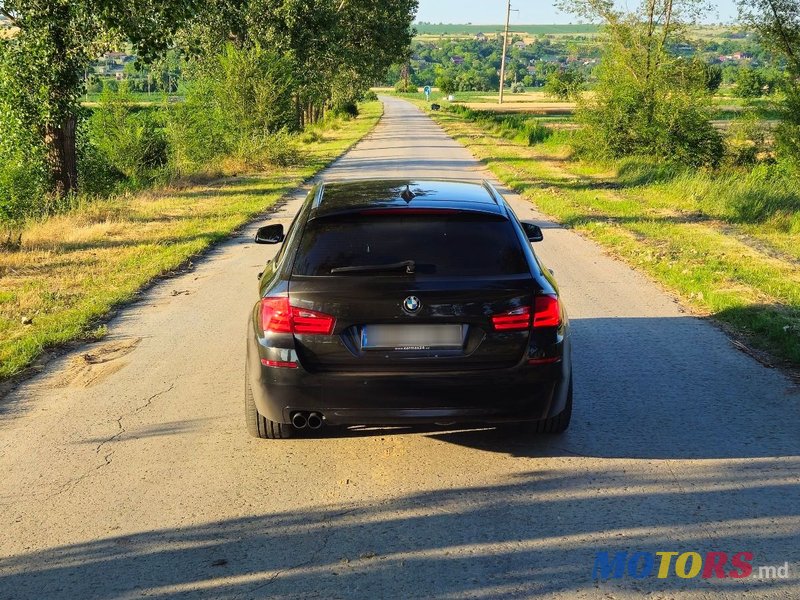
62	156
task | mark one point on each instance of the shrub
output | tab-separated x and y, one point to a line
347	110
787	136
747	139
130	139
96	175
268	150
446	84
24	179
517	87
750	83
667	118
370	96
235	98
565	84
23	185
403	87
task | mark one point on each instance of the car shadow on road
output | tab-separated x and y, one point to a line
663	388
660	388
531	535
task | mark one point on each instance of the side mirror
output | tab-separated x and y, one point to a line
270	234
533	231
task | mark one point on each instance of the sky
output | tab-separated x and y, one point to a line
482	12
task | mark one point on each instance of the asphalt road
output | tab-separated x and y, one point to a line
126	471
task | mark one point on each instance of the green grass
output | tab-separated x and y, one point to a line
75	268
727	242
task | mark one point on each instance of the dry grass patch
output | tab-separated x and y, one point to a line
72	269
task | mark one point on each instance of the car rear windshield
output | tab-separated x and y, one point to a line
445	245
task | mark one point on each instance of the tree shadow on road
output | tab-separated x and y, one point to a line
529	535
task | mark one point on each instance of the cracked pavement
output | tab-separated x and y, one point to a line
135	477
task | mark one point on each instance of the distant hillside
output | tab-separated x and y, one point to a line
456	29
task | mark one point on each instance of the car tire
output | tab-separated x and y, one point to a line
258	425
560	422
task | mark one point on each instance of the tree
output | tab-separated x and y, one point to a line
446	84
565	84
338	48
42	65
750	83
713	78
778	25
647	101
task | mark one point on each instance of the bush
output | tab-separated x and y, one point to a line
347	110
24	181
713	78
667	118
747	139
403	87
131	140
750	83
565	84
269	150
23	184
95	86
446	84
517	87
787	135
239	97
369	96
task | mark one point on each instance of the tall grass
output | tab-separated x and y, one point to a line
767	194
518	127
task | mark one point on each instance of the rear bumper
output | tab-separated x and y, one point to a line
521	393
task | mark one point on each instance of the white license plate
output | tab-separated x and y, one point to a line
412	337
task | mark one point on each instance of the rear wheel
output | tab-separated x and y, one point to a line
560	422
257	424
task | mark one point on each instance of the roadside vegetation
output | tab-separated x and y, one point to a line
73	268
248	77
726	240
112	174
711	212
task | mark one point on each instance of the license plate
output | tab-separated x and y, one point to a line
412	337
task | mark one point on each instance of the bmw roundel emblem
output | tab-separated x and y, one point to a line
412	304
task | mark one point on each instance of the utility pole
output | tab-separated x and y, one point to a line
505	49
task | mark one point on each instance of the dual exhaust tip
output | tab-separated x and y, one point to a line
301	420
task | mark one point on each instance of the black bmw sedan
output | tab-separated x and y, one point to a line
401	302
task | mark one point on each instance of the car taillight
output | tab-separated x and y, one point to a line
278	316
308	321
547	312
513	320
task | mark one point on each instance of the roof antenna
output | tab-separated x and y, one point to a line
407	194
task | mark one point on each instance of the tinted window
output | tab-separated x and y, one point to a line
447	245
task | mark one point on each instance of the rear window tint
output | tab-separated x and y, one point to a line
445	245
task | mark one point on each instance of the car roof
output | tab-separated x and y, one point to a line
356	195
